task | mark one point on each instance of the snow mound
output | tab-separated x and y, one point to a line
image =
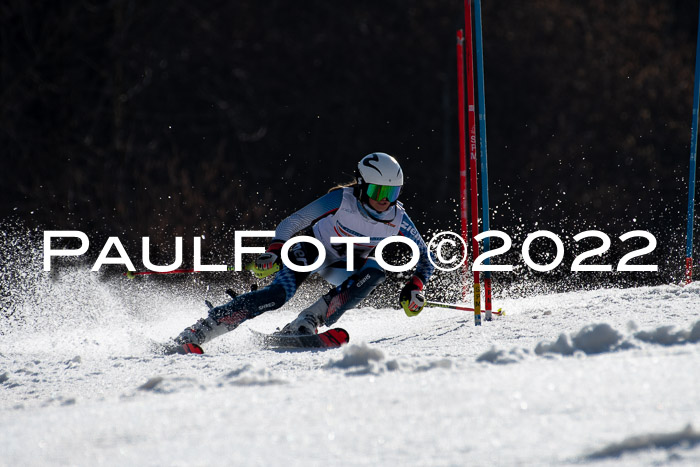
363	359
596	339
249	376
358	355
443	363
501	357
684	438
168	385
668	335
591	339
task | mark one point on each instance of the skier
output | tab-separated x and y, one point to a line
368	207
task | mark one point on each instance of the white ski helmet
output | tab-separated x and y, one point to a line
379	177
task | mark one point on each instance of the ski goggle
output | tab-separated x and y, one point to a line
380	192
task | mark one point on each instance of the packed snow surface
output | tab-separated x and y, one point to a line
604	377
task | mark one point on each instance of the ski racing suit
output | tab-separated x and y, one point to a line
337	214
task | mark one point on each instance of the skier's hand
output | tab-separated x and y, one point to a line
269	262
411	297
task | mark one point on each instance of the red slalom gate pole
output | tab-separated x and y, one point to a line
472	151
462	153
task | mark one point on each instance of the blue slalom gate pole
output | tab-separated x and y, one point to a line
693	157
484	158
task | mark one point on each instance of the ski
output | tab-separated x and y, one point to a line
326	340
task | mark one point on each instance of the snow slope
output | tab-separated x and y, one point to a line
604	377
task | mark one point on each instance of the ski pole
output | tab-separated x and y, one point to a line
132	274
453	306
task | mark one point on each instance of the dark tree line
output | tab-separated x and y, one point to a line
169	118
